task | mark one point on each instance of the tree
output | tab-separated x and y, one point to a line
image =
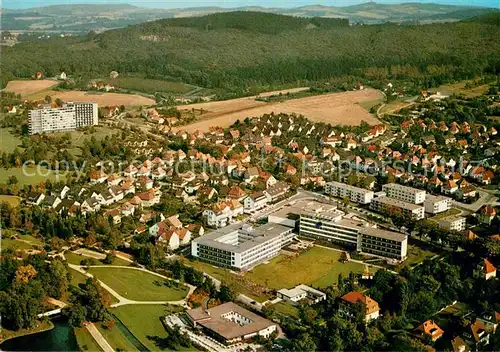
48	99
25	273
76	314
226	293
59	102
303	342
109	259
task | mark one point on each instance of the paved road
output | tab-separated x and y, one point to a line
485	197
101	341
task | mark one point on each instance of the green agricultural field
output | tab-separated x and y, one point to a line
144	321
76	259
318	267
115	338
13	201
85	340
31	175
150	86
8	142
139	285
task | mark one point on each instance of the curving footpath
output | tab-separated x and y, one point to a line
124	301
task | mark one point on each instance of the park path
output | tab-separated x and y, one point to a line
124	301
101	341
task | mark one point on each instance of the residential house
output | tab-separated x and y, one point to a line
254	202
251	174
278	190
149	198
35	198
168	237
429	330
477	335
115	215
97	176
372	308
236	193
485	270
486	214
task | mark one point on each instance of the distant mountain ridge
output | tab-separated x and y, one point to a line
99	17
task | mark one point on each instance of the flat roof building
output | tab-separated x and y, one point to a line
301	292
230	323
383	243
453	223
65	118
404	193
355	194
391	205
242	247
436	204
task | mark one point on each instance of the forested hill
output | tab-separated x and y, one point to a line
253	22
257	53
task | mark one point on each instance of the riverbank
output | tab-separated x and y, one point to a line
6	335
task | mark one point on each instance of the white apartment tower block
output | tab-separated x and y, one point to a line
66	118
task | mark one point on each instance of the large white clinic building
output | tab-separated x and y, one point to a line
355	194
404	193
241	247
326	222
65	118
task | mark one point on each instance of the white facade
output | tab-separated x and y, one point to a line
254	202
404	193
355	194
453	223
241	248
386	204
66	118
436	204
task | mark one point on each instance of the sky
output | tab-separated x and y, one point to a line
23	4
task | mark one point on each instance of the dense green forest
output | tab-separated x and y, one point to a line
249	49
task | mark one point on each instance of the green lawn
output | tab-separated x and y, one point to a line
287	309
30	175
138	285
77	277
144	321
237	283
417	254
78	138
85	340
9	142
318	267
76	259
449	212
13	201
24	242
116	338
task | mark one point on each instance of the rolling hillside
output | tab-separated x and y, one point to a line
80	18
241	49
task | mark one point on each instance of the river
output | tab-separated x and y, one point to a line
60	338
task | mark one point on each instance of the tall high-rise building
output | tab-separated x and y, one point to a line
66	118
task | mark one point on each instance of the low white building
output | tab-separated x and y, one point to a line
436	204
404	193
355	194
301	292
453	223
